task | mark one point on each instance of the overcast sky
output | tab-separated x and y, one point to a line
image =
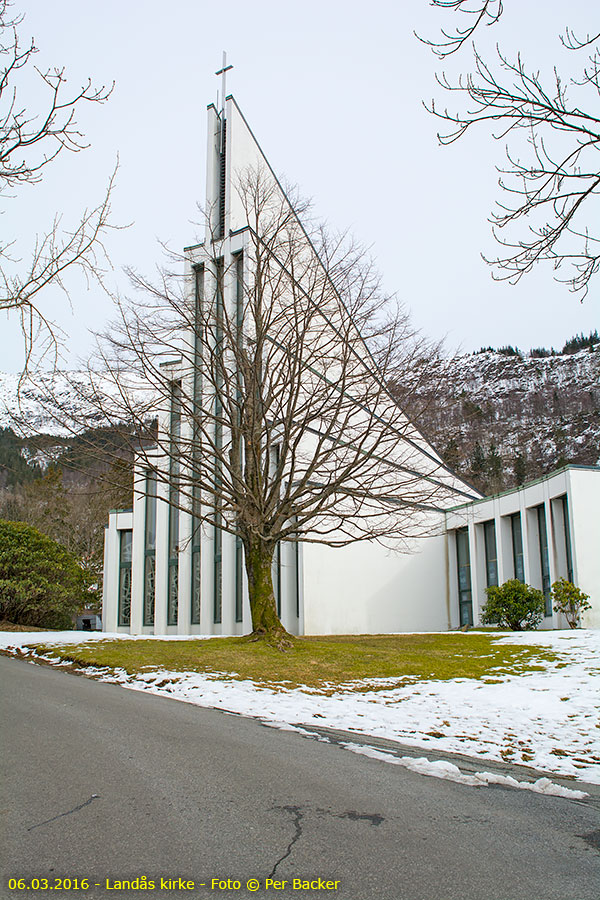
333	92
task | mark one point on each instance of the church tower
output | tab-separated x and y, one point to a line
174	563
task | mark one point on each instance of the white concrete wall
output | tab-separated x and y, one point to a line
365	588
243	153
584	511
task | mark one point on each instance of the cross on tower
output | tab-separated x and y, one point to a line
223	72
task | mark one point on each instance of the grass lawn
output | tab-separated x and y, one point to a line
321	663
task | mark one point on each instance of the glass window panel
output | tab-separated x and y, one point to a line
239	579
125	544
565	507
195	611
544	559
465	602
517	545
491	553
217	576
150	549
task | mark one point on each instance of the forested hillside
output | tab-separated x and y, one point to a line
65	488
498	417
501	417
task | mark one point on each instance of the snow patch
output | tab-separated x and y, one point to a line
546	720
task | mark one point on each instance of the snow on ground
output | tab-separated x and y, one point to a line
547	720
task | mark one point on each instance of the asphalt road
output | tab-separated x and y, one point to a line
111	784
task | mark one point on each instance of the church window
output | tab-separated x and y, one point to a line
174	435
196	571
465	602
297	576
491	553
150	549
544	559
569	554
198	330
239	579
196	455
125	577
217	575
275	452
277	577
239	293
222	178
517	547
217	532
239	316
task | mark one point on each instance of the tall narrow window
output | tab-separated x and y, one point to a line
239	579
198	335
491	553
196	556
569	554
239	294
174	435
276	574
125	577
218	407
544	559
275	454
196	445
222	177
239	320
150	550
296	577
465	602
517	546
218	576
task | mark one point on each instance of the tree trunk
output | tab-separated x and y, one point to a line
265	621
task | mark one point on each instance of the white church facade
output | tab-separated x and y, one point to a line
164	573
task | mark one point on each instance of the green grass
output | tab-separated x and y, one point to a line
320	663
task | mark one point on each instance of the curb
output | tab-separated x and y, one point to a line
469	765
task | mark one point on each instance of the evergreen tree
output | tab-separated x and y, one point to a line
520	468
478	461
41	583
452	455
495	468
47	506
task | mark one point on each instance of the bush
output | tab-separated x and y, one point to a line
514	605
569	600
41	583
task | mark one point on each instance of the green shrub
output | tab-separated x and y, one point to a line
514	605
569	600
41	583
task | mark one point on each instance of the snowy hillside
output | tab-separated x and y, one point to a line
502	419
497	418
30	409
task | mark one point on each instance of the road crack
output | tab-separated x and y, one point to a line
298	815
67	813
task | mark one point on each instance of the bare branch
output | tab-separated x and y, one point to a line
29	141
570	40
482	12
556	186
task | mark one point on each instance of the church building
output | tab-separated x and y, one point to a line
170	569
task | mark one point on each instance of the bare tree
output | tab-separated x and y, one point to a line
551	181
274	371
31	139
